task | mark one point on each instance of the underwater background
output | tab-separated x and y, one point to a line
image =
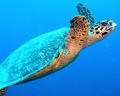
96	72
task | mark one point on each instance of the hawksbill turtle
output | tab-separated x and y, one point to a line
52	51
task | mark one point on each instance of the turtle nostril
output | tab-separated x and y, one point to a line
110	23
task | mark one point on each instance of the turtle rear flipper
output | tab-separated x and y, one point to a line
2	92
83	11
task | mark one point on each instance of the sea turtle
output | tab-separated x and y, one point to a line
52	51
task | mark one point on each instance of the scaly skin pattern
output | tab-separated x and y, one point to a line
83	11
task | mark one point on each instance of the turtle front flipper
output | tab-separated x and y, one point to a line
77	38
83	11
2	92
78	34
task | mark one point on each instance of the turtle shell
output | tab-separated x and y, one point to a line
32	57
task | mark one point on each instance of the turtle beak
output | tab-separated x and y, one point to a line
114	24
111	25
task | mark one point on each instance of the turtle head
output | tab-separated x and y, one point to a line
99	31
102	28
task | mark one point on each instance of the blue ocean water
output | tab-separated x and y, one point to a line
94	73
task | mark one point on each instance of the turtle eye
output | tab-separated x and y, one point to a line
103	23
